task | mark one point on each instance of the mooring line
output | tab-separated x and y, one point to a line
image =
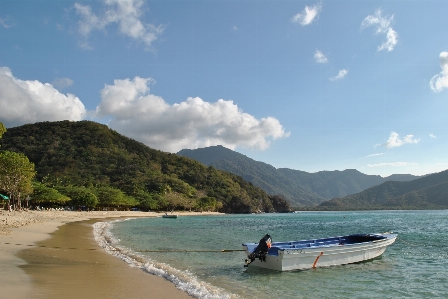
401	240
181	250
159	250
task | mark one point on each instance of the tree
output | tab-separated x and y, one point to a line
80	196
113	197
43	195
16	174
2	129
146	201
207	203
279	203
176	200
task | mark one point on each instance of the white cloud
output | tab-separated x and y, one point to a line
5	22
62	83
432	136
374	155
342	73
391	41
440	81
125	13
320	57
392	164
307	15
395	141
24	102
383	26
137	113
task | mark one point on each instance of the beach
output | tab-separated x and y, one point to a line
52	254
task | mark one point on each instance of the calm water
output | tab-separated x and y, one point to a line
415	266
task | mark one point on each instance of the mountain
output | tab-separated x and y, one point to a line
89	154
429	192
300	188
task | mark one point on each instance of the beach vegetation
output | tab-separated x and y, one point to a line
146	201
124	173
79	196
114	198
46	196
208	203
16	175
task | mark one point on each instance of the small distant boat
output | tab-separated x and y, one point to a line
169	216
307	254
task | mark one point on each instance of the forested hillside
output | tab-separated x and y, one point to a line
429	192
74	154
300	188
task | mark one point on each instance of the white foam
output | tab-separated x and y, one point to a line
183	280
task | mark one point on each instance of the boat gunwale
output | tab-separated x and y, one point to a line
338	249
388	237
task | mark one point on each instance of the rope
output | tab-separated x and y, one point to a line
181	250
401	240
162	251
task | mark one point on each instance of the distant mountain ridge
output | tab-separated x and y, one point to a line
428	192
300	188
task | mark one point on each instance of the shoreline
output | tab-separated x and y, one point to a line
38	250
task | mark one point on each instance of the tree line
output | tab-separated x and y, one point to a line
85	164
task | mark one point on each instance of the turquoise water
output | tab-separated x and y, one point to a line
415	266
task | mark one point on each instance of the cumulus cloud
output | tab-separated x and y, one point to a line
125	13
432	135
395	140
24	102
341	75
383	25
307	15
440	81
320	57
194	123
62	83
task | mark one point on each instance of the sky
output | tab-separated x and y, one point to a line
305	85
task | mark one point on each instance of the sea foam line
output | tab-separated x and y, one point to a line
183	280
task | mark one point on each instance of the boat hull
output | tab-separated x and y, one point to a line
321	256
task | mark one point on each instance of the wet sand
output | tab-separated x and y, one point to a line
60	259
81	269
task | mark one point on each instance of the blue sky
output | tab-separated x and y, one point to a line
307	85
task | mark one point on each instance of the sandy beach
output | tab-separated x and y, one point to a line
52	254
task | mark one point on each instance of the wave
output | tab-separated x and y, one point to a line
183	280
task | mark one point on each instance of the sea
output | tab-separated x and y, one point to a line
202	255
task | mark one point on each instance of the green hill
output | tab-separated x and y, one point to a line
92	155
300	188
429	192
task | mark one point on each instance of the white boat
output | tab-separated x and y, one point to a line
169	216
307	254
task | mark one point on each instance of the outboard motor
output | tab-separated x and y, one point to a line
261	250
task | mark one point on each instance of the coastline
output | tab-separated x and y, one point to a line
50	254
